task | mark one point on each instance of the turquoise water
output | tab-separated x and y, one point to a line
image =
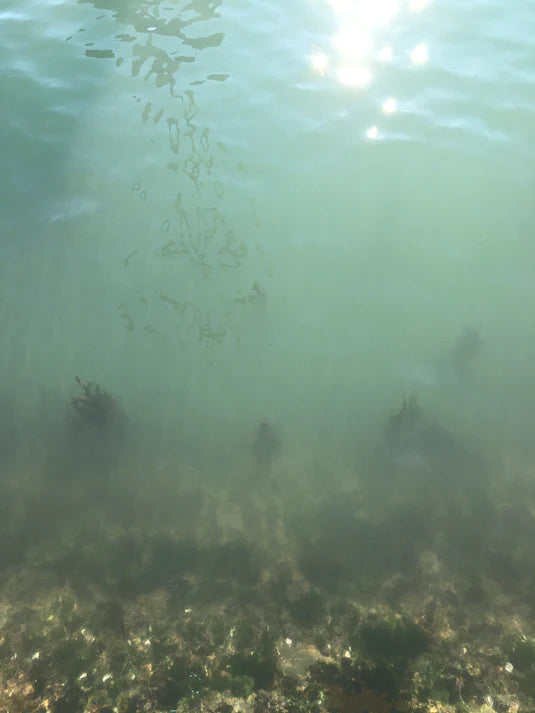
227	212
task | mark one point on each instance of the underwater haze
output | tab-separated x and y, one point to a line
226	213
267	382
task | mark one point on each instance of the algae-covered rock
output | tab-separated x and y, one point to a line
308	609
391	638
259	664
521	653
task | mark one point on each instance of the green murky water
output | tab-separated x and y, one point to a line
228	213
266	371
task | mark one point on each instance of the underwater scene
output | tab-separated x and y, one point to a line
267	366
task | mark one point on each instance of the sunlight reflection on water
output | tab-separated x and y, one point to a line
358	44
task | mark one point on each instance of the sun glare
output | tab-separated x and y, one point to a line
386	54
359	22
353	42
319	62
417	5
353	76
419	54
360	47
390	106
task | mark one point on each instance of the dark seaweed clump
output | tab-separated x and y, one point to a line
266	445
467	347
402	423
96	408
96	429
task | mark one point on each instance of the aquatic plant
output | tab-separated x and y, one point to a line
96	406
258	664
402	423
266	445
8	433
308	609
95	430
391	637
467	346
256	294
